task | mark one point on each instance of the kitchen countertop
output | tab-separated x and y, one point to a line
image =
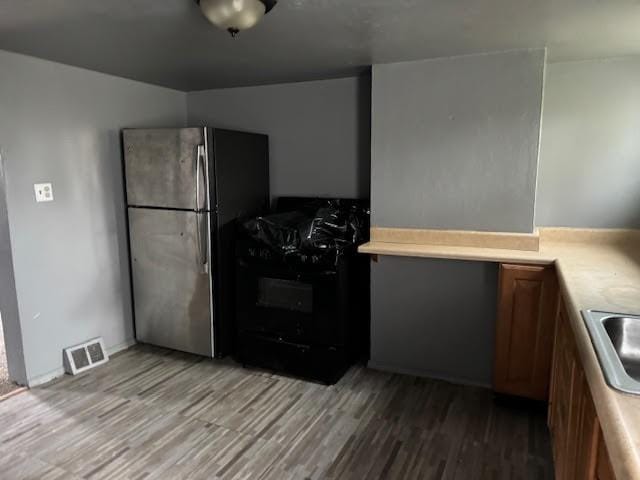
598	270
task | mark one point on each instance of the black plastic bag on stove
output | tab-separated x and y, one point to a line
334	228
280	232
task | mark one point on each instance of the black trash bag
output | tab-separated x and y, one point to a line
324	229
333	228
280	232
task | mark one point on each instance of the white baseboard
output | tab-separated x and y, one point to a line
59	372
121	346
45	377
426	374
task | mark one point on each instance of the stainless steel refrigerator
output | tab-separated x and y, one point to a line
185	188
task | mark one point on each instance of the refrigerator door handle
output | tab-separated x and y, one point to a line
202	248
203	262
204	163
203	243
199	156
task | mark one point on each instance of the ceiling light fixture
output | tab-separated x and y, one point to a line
235	15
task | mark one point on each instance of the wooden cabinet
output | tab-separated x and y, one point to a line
604	470
578	449
536	357
589	436
527	305
563	400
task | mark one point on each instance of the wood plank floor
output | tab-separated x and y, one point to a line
154	414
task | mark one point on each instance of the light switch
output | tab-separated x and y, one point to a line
44	192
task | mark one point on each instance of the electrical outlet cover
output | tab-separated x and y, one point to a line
44	192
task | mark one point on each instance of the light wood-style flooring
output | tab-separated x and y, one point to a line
154	414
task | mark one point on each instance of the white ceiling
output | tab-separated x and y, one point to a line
168	42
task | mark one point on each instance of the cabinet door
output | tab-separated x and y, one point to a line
564	394
553	382
588	437
573	421
604	470
573	447
527	305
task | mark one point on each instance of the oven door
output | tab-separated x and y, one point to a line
299	307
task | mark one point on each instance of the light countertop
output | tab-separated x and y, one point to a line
597	269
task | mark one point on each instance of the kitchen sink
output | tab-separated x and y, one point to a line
616	338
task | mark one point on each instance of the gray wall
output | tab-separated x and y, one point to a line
455	142
454	146
61	124
319	132
434	318
590	152
9	315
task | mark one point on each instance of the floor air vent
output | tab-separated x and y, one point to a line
87	355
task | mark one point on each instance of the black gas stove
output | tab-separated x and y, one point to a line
302	289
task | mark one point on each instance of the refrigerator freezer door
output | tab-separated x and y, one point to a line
171	281
166	168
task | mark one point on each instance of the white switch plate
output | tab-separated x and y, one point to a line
44	192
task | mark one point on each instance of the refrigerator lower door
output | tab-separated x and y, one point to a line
171	279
